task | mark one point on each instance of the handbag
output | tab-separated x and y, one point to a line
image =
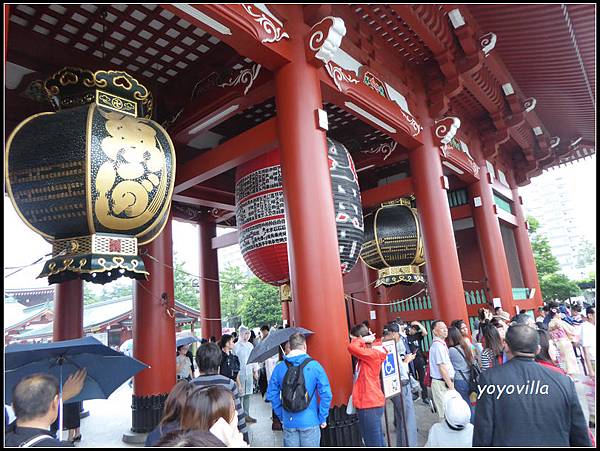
474	372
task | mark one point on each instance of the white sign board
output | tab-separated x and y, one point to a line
373	314
390	370
497	302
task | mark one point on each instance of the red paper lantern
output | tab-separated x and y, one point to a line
260	213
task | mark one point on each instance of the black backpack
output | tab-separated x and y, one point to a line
294	396
474	372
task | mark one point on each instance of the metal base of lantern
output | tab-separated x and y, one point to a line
146	412
342	429
399	274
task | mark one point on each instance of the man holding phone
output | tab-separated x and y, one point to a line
416	333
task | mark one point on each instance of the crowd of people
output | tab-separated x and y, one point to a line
513	383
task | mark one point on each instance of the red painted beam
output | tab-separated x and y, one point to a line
230	154
375	196
219	105
229	239
240	27
207	197
460	212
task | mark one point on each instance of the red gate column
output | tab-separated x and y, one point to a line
490	241
154	333
316	279
210	298
444	279
68	311
528	268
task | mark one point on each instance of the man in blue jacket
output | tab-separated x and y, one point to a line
301	429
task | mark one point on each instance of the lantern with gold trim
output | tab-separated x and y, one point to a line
94	178
393	243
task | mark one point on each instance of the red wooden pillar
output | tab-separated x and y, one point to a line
528	268
154	334
285	312
210	298
444	280
490	241
6	17
68	311
317	288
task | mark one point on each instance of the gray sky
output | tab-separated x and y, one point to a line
23	246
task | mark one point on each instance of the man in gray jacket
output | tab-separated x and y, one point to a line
522	403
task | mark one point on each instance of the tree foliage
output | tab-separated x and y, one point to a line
247	300
558	287
586	254
186	286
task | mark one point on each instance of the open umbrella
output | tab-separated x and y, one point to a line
270	345
186	340
106	368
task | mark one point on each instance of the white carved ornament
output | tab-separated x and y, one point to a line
246	76
267	25
385	148
326	47
529	104
413	123
555	141
487	43
338	75
447	129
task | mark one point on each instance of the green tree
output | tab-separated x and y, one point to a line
89	295
117	289
558	287
232	283
261	304
545	262
186	286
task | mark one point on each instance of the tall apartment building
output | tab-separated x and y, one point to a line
563	200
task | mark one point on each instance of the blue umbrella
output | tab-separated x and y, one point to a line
107	369
270	345
186	340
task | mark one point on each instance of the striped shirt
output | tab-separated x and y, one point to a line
216	379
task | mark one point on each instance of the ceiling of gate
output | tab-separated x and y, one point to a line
550	52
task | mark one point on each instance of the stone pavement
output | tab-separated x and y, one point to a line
110	418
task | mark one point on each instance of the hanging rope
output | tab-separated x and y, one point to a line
21	268
348	297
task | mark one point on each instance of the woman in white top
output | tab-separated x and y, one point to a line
248	372
184	370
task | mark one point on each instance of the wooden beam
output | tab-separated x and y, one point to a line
461	212
230	154
229	239
375	196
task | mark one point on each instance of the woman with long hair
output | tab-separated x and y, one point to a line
172	413
461	357
545	356
212	409
492	347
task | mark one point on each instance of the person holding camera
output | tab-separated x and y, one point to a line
415	336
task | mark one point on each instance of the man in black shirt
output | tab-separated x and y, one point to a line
35	402
415	335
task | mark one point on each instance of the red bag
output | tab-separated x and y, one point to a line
427	378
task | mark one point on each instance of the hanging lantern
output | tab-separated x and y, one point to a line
393	243
260	214
93	178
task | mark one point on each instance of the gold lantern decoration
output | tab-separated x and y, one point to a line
95	178
394	244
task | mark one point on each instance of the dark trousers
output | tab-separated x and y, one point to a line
420	376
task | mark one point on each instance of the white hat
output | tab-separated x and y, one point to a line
456	410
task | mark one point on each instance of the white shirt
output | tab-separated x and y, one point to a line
438	354
588	338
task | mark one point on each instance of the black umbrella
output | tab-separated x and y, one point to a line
270	345
186	340
107	369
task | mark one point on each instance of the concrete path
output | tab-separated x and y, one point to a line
110	418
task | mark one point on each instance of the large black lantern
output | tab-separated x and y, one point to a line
393	243
94	178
